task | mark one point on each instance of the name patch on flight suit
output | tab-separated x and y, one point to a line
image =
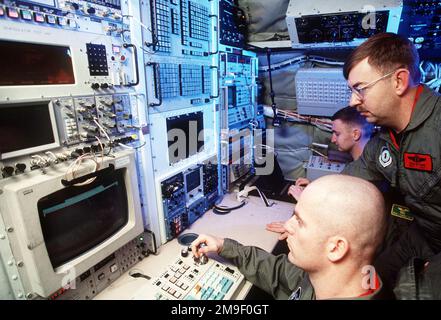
401	212
417	161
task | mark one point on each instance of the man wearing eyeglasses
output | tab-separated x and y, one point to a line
383	74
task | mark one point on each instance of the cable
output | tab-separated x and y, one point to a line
276	121
221	210
247	189
103	131
136	273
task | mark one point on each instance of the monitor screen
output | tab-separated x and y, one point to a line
78	218
34	64
185	136
193	180
25	126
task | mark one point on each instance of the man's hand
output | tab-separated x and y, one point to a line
212	244
278	226
296	190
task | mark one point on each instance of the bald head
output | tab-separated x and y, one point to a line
348	207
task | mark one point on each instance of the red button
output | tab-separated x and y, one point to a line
38	17
12	13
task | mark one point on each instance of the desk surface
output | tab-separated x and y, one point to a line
246	225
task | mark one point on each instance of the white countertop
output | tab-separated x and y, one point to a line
246	225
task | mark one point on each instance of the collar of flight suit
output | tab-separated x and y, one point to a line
422	109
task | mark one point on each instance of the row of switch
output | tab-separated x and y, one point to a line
28	15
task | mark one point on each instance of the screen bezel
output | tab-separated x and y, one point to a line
44	147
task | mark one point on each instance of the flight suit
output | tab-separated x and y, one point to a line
276	275
412	166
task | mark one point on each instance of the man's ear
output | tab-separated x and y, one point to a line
337	248
401	81
356	134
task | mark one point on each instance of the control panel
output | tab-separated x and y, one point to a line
184	199
100	276
333	28
187	279
321	24
321	91
232	24
319	166
211	183
84	126
179	49
193	184
421	22
173	201
239	114
83	48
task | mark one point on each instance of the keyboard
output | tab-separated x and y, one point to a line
186	280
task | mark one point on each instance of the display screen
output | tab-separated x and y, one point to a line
185	136
25	125
193	180
28	64
78	218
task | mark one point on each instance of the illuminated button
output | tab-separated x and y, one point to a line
62	21
39	17
51	19
72	24
26	15
113	268
2	11
12	13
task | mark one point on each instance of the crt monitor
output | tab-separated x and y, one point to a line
185	136
35	64
62	231
27	127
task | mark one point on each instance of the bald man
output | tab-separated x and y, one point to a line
332	246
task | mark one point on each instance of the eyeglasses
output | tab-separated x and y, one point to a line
360	92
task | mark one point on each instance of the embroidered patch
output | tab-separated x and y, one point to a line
296	294
385	157
401	212
417	161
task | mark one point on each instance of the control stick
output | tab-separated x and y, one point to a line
202	259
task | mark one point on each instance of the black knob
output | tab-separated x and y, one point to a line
7	171
95	86
91	11
104	85
184	252
20	168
